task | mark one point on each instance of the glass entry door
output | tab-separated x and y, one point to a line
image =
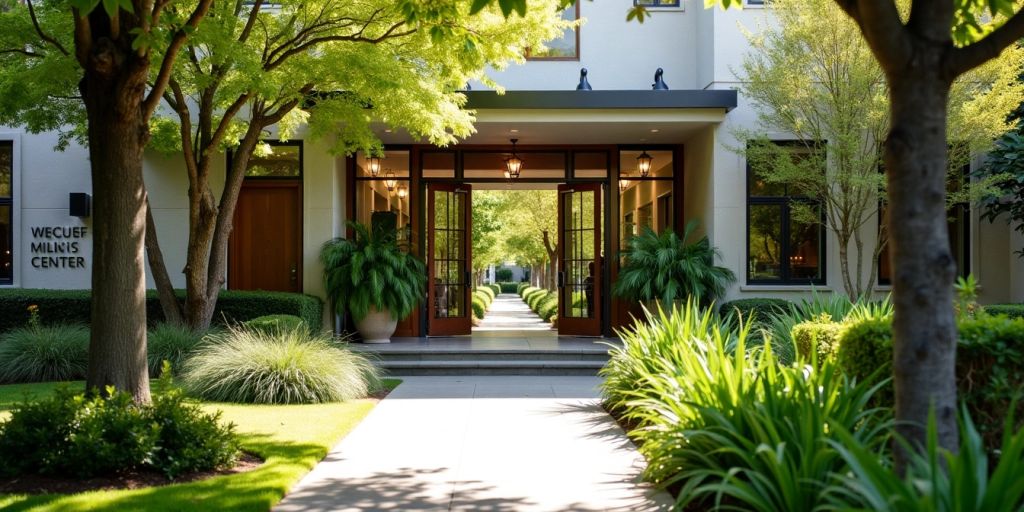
449	254
579	259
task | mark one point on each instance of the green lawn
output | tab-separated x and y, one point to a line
291	438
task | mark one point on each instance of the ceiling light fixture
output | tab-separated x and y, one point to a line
513	164
643	164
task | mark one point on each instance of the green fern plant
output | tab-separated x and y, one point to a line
371	270
665	267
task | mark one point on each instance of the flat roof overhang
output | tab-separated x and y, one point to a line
588	117
672	99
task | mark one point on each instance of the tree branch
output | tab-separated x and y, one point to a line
83	38
962	60
39	30
251	22
167	66
880	23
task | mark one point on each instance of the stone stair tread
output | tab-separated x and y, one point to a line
511	363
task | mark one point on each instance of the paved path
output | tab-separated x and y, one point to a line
482	444
509	313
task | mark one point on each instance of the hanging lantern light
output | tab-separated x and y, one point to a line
624	181
389	180
373	165
402	192
513	164
643	164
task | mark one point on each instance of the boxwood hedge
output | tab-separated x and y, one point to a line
73	306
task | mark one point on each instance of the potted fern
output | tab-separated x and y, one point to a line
668	269
372	277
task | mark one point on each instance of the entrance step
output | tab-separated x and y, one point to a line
489	362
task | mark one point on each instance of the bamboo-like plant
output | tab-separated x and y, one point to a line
667	268
371	270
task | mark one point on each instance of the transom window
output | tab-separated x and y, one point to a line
658	3
784	246
276	160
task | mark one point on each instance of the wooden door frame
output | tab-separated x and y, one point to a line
571	325
459	325
257	183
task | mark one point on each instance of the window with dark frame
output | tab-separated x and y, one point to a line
566	47
780	248
283	161
658	3
6	212
958	225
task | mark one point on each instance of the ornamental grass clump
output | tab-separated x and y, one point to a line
171	343
722	423
39	353
289	367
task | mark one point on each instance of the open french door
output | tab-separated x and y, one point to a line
449	260
579	259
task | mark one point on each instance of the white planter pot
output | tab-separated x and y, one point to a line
377	326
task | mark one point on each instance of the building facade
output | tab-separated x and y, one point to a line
591	145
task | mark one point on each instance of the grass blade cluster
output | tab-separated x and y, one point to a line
290	367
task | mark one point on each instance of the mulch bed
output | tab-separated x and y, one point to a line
39	484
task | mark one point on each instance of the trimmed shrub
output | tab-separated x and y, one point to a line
294	367
479	307
44	353
754	309
816	339
73	306
1010	310
509	287
520	287
503	274
548	307
533	300
171	343
990	365
990	372
496	288
70	434
275	323
487	291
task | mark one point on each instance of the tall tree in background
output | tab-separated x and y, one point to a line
810	74
488	235
251	68
1001	179
114	59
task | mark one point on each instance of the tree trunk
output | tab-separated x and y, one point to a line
113	90
924	330
165	290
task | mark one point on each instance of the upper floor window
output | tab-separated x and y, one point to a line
6	211
785	232
566	47
658	3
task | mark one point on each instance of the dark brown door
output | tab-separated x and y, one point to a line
579	259
449	260
265	251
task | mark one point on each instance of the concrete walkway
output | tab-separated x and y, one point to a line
509	313
482	444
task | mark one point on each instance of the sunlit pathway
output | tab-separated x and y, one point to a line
482	443
509	313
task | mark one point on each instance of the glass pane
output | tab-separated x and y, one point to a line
6	250
395	161
590	165
804	248
373	196
492	164
664	214
283	161
6	167
449	254
438	164
765	231
565	46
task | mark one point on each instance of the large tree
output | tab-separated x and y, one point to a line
338	65
922	50
101	68
810	74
